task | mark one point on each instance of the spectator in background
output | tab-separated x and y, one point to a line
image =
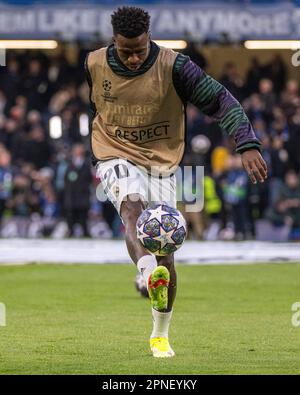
58	73
192	50
3	101
286	210
14	138
290	99
10	79
34	118
43	188
78	180
194	121
233	81
267	97
2	130
22	199
62	164
235	195
5	178
279	125
279	158
255	108
276	72
293	144
254	75
70	127
35	85
44	216
212	207
37	149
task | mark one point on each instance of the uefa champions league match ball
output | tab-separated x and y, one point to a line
161	230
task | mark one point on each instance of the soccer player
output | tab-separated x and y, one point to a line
138	93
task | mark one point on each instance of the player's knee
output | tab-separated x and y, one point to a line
130	213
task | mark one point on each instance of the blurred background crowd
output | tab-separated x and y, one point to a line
48	186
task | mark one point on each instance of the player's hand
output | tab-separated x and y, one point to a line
254	165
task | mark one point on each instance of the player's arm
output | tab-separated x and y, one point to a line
213	99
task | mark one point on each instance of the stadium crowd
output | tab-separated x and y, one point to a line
48	187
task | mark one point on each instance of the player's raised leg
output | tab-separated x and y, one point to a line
157	277
159	340
131	208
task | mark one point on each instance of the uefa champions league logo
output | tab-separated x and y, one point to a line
106	85
2	314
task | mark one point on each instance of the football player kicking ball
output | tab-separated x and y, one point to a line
138	93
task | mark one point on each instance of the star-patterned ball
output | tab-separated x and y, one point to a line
161	230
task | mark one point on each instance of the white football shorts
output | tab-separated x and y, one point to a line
120	178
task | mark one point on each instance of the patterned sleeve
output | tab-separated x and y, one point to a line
213	99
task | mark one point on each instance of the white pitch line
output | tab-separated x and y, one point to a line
69	251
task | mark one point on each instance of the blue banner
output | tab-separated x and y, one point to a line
199	21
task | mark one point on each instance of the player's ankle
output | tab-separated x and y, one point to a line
161	323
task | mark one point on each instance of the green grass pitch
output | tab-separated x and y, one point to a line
87	319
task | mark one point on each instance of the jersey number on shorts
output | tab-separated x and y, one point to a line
117	172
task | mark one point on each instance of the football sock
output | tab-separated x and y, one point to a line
161	322
146	264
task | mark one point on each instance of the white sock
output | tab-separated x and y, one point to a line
146	264
161	322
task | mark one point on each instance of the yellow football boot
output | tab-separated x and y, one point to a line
161	348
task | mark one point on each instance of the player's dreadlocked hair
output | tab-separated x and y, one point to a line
130	22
